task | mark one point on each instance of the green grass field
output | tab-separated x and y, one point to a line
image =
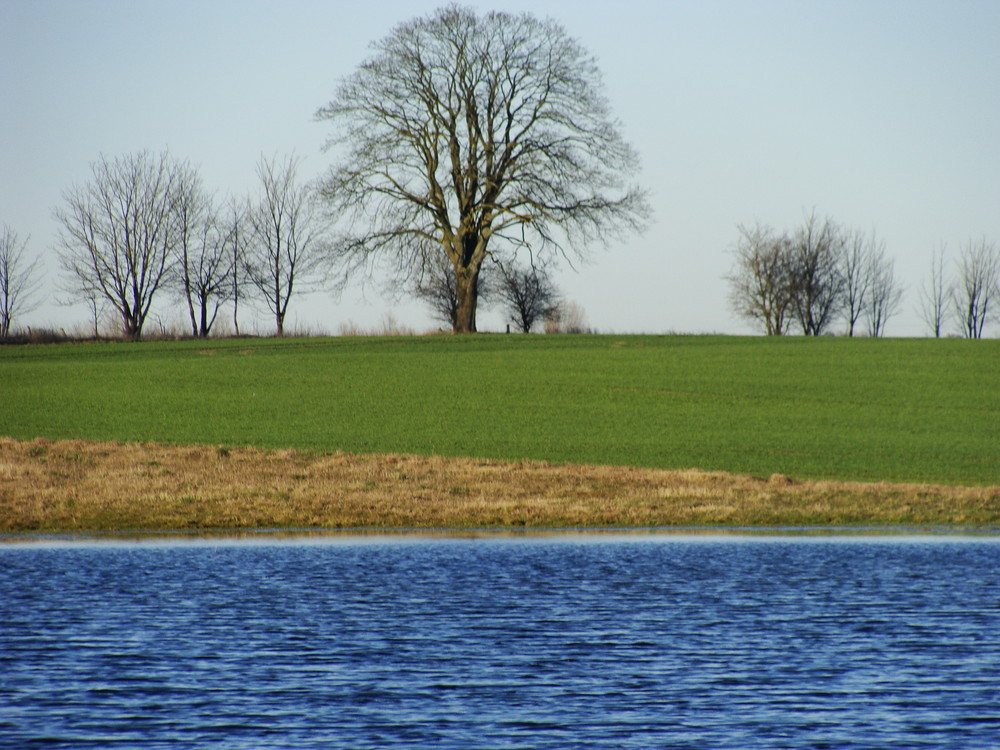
899	410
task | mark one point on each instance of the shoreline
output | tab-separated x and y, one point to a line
83	487
374	536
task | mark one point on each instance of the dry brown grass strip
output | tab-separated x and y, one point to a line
82	486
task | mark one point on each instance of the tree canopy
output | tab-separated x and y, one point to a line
471	135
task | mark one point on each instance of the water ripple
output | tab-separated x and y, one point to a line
502	644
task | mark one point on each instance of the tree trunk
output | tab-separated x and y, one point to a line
190	300
94	309
467	297
131	323
203	323
132	329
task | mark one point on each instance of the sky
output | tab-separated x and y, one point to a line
881	115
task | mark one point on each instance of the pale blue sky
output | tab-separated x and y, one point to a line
881	115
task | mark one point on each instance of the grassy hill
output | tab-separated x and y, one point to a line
909	410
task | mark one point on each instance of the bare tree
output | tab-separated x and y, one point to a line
474	135
233	228
437	289
761	279
207	268
817	276
285	249
884	292
203	263
934	296
528	294
977	287
118	233
19	279
857	255
96	304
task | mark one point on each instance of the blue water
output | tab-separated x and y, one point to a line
560	642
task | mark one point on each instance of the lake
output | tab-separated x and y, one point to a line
547	641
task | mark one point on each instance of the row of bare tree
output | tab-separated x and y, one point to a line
821	273
970	297
145	223
463	143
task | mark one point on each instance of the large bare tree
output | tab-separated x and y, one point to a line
119	231
471	135
761	279
285	248
977	287
20	279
